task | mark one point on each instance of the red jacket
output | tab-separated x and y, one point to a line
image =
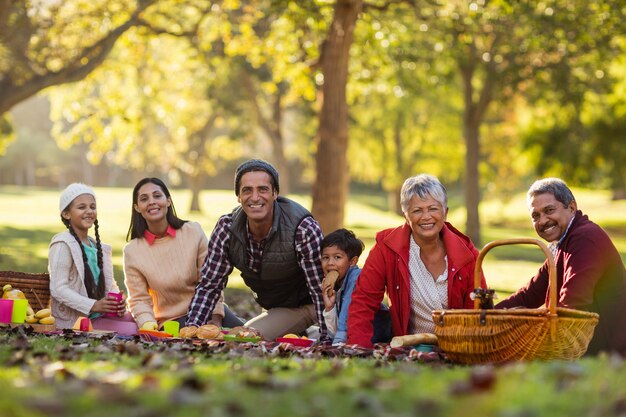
387	269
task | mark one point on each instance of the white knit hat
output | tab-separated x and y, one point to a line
71	192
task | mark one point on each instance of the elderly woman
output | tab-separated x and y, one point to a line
423	265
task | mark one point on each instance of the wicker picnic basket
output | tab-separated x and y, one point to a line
36	287
496	336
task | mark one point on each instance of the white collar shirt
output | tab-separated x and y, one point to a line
427	293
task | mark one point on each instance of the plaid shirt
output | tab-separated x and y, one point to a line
217	267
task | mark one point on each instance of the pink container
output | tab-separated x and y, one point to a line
117	295
6	310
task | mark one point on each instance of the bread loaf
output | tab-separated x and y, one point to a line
414	339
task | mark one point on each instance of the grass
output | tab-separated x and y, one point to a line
74	376
30	218
45	376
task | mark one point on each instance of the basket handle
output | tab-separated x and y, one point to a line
523	240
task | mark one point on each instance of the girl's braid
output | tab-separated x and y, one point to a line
90	285
100	289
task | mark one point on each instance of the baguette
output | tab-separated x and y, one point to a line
414	339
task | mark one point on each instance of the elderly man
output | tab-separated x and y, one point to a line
590	272
275	243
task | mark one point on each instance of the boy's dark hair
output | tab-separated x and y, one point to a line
345	240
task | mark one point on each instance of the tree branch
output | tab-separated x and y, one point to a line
88	60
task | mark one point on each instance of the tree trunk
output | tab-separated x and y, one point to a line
197	142
393	200
473	115
272	127
330	188
278	142
195	184
472	180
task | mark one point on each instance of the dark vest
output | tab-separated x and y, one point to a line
281	282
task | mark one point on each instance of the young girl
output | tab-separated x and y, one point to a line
162	260
80	268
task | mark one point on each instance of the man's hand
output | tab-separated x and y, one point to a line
216	319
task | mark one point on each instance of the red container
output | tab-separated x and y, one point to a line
85	325
296	342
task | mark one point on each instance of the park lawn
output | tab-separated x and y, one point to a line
45	376
30	218
73	376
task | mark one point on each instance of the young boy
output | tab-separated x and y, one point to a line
340	253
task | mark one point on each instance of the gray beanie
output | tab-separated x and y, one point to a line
71	192
255	165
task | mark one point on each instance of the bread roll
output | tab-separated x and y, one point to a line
329	281
208	331
187	332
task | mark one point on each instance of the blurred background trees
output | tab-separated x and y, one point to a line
487	95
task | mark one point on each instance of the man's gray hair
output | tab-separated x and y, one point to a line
423	186
554	186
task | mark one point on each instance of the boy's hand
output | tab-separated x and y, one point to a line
330	297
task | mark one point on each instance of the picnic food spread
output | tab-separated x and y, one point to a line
14	294
213	332
43	316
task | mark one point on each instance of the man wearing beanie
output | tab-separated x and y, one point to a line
275	243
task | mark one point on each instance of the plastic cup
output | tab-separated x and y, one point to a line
118	296
85	325
19	311
6	310
171	327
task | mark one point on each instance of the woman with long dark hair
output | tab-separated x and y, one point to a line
162	260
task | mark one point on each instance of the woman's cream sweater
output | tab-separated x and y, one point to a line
161	278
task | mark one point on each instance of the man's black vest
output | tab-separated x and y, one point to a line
280	282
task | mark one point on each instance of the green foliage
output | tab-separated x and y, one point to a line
404	120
